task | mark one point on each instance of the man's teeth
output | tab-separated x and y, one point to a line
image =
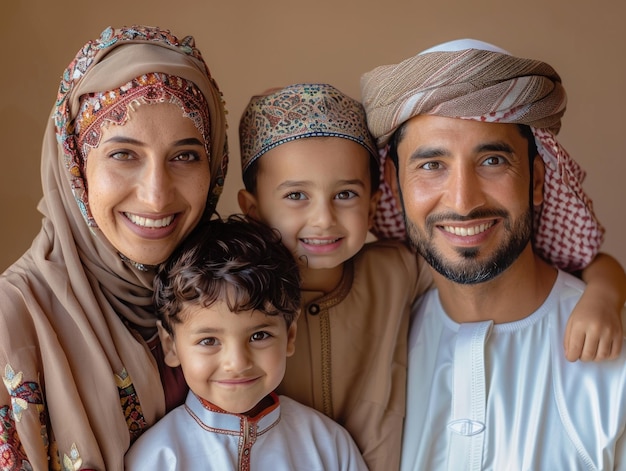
467	231
319	241
147	222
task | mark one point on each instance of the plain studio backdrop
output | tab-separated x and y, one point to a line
251	46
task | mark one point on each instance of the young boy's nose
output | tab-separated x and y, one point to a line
237	359
323	215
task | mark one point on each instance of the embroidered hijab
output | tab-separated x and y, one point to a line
79	384
476	80
296	112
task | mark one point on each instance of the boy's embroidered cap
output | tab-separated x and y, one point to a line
299	111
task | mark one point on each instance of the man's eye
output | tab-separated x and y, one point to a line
431	166
493	160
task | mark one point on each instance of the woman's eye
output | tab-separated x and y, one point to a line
187	157
345	195
295	195
122	155
259	336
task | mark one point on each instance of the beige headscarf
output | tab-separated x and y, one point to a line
79	385
475	80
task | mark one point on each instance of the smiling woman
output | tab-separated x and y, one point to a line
134	158
147	186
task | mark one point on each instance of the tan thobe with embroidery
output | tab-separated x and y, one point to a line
351	349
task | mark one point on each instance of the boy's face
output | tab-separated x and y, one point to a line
232	360
317	193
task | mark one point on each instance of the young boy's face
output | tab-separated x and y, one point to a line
232	360
317	193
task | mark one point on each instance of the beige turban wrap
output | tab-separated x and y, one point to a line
475	80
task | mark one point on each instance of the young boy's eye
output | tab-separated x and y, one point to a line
345	195
209	342
259	336
295	195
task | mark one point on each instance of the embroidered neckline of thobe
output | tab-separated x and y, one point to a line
214	419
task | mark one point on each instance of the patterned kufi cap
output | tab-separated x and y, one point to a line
297	112
471	79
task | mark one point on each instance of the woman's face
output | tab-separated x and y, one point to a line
148	182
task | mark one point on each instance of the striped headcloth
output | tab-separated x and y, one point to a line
475	80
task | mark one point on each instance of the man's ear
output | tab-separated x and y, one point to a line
248	204
390	174
539	177
168	345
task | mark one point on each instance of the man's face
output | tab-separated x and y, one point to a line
465	189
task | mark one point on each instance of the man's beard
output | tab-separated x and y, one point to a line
469	270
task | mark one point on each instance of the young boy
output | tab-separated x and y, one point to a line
227	302
316	183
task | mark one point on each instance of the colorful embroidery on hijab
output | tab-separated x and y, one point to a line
23	393
130	405
65	125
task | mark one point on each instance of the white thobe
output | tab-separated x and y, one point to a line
484	396
285	437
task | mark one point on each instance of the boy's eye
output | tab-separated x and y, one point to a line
209	342
259	336
295	195
345	195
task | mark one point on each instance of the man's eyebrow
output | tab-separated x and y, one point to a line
496	146
422	153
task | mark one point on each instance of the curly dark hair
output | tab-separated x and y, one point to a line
235	260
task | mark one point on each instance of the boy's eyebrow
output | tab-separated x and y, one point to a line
291	183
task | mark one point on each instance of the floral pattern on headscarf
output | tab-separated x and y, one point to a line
66	127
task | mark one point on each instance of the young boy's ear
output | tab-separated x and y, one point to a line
168	345
291	338
248	204
373	205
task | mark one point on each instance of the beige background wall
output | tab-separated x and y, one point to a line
253	45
